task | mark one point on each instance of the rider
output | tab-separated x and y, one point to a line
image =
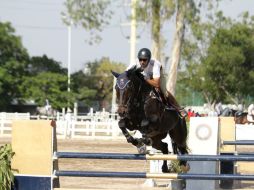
251	113
152	74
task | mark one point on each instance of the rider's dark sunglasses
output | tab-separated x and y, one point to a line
144	60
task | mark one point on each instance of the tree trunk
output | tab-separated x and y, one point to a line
156	26
176	50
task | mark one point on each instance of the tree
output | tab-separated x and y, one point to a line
82	85
97	83
237	44
42	63
229	46
45	79
155	12
13	61
91	15
176	50
23	79
47	85
158	12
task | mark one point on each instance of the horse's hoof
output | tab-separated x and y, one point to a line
142	149
185	168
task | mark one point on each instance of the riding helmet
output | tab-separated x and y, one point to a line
144	53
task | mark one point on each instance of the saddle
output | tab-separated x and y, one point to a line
169	102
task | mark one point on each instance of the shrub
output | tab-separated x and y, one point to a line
6	174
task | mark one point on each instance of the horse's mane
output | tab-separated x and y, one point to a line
134	71
142	88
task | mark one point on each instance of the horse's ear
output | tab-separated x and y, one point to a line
115	74
132	69
139	70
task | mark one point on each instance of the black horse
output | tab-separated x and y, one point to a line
132	93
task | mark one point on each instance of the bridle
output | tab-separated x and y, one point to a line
132	99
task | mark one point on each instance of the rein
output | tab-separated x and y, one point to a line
132	99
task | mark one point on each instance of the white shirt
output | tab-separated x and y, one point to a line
152	69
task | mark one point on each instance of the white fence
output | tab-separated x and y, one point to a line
244	132
101	125
96	126
88	129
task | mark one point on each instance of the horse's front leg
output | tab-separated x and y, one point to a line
146	140
123	125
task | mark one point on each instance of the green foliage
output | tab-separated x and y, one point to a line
10	45
187	96
222	70
155	13
91	15
174	167
45	79
6	175
96	85
237	44
40	64
40	78
47	85
145	9
13	60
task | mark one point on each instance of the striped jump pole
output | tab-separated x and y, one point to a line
153	175
238	142
153	156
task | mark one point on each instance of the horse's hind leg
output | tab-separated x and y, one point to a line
163	147
182	149
179	140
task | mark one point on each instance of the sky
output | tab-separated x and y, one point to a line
40	26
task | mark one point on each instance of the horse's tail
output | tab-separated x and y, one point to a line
171	99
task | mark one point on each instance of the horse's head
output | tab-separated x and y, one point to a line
128	86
